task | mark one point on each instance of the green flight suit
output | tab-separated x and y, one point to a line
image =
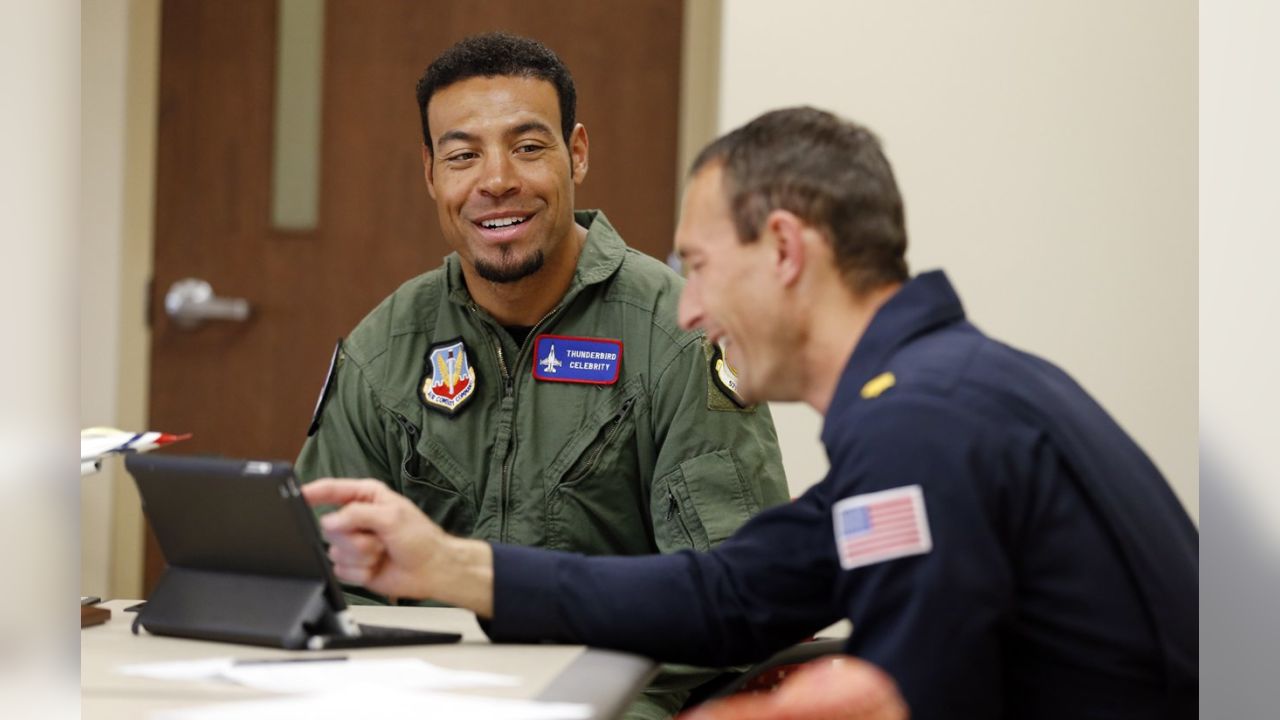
658	461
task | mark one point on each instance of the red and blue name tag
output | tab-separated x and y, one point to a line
560	358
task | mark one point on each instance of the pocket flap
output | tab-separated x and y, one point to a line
717	493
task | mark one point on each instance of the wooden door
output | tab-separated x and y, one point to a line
248	389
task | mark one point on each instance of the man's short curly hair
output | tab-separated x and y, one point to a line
498	54
829	172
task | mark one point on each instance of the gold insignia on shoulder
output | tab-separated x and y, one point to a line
877	385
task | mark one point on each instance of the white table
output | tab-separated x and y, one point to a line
605	679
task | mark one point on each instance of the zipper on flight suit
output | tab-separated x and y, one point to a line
615	426
509	386
412	433
673	511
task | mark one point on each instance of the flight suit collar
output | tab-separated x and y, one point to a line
601	257
923	304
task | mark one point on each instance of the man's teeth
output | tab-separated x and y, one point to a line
501	222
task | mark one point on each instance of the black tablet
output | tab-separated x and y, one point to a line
246	561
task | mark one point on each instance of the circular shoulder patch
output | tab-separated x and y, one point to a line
725	376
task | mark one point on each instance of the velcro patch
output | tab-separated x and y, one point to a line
879	526
562	358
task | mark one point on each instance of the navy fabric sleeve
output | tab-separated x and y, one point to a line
930	620
766	587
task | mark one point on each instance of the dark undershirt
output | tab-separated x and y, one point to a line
518	332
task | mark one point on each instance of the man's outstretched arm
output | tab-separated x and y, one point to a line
752	596
380	539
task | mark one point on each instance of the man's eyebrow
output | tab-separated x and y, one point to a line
531	126
459	135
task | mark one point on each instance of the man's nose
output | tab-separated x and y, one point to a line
690	308
499	176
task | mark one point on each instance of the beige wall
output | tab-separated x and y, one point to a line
102	71
1047	154
119	64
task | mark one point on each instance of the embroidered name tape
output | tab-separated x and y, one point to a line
561	358
880	526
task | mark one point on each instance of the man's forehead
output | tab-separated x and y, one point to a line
507	92
705	205
501	103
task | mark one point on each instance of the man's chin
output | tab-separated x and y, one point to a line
509	270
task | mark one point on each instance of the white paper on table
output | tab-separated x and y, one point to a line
208	669
382	703
406	673
316	675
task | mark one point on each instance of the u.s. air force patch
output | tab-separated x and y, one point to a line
725	378
448	380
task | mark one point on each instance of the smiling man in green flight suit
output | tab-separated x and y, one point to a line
536	389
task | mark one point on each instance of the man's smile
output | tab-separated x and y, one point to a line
503	227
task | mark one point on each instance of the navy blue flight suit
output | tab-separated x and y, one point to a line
1062	581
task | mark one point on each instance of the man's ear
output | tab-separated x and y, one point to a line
428	170
787	233
578	145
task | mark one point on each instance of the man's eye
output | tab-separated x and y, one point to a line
528	148
461	157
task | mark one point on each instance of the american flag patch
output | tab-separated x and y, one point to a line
881	526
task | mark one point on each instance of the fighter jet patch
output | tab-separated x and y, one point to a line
561	358
725	376
878	526
330	379
448	379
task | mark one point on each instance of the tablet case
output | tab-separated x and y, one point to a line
246	562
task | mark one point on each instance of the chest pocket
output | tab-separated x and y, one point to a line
431	478
593	486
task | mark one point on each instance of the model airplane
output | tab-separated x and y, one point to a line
97	443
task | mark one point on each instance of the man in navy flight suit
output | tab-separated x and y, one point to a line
1001	546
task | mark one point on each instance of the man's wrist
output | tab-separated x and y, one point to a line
463	574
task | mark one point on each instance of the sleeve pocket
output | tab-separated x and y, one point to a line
717	494
429	477
700	503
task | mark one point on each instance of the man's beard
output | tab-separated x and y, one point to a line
508	269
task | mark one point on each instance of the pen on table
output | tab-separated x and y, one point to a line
281	661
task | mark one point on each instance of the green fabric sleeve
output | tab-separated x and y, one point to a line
351	441
717	465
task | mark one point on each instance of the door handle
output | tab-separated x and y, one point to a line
190	302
